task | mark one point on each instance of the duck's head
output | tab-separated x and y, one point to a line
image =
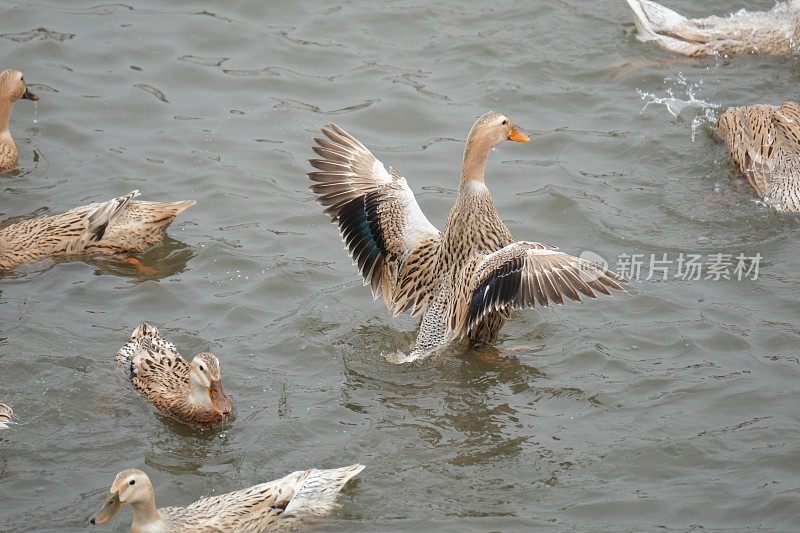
129	487
493	128
13	87
487	132
206	382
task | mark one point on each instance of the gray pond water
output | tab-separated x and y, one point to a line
674	406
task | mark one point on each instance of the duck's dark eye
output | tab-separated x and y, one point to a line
505	122
201	368
132	482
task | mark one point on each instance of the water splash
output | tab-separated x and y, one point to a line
708	117
679	96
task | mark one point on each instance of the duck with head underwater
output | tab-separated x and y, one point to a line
775	32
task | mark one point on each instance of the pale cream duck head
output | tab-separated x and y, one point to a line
13	87
493	128
205	381
130	487
488	131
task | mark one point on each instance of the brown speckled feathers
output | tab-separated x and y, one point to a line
162	375
118	227
764	143
463	281
8	153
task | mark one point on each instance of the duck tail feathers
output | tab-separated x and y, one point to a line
317	494
653	19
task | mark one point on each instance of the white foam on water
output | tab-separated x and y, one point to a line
679	96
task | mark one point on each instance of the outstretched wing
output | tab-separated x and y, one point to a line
389	238
764	142
524	274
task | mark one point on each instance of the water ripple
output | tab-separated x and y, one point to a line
297	104
152	90
42	34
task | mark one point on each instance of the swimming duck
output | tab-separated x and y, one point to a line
464	281
117	228
279	505
773	32
188	392
6	414
12	88
764	143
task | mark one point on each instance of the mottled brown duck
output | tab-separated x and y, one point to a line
190	392
117	228
12	88
774	32
764	143
280	505
465	281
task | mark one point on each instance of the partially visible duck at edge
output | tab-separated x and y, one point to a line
774	32
12	88
190	392
117	228
764	143
6	414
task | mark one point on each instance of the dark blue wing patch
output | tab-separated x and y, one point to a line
499	289
359	224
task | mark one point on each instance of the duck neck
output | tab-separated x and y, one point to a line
476	153
146	517
199	396
5	116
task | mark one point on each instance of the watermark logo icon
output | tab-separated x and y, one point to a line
594	258
593	265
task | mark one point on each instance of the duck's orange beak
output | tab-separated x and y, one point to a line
219	399
518	136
